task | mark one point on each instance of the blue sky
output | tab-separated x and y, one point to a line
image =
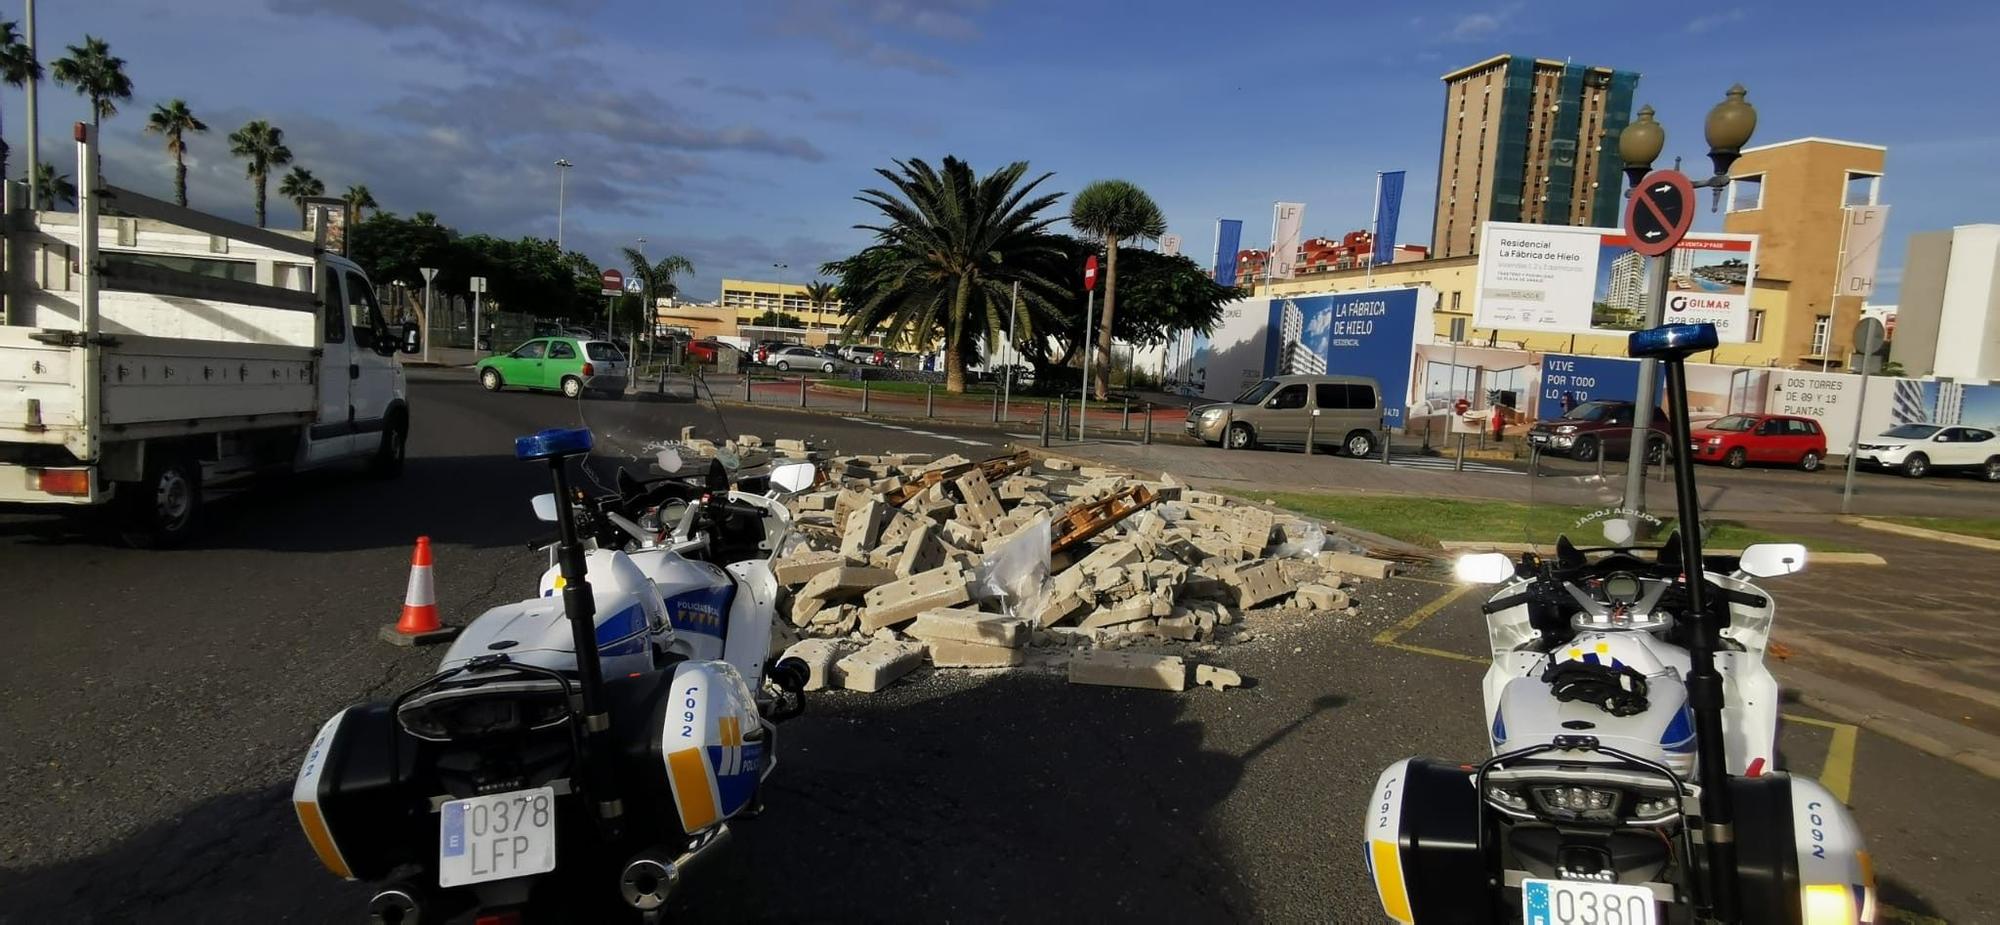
736	134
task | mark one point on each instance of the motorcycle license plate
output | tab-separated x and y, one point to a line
1568	902
497	837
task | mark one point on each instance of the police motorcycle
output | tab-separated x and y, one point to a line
1633	725
594	740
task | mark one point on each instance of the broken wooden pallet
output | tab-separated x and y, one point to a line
1087	520
997	468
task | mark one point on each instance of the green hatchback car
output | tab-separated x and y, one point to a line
570	365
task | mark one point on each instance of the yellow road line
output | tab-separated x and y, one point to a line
1439	653
1388	636
1837	774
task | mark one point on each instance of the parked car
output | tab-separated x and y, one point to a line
796	356
707	349
1738	440
1339	411
1596	427
573	366
1916	449
857	353
760	351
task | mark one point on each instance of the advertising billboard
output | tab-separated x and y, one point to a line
1557	279
1371	333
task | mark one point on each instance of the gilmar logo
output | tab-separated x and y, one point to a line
1681	303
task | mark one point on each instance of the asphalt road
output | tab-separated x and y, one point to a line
156	704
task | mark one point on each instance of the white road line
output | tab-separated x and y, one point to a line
921	433
967	442
917	433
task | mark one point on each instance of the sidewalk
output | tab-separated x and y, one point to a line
1022	413
1906	649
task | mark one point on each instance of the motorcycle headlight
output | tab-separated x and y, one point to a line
1506	798
1566	429
1589	804
1654	809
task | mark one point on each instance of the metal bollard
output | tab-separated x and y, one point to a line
1149	424
930	406
996	407
1125	423
1458	465
747	395
1062	416
1045	423
1312	426
864	396
1386	439
802	391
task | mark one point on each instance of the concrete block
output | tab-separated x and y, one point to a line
1129	669
878	664
1251	527
1182	628
1128	612
900	601
963	535
884	557
979	498
1054	464
801	566
819	656
1107	579
844	583
898	528
1217	677
1114	553
1358	566
950	653
749	440
792	447
804	610
1057	607
965	624
847	502
946	462
1216	546
1255	582
1321	597
863	528
921	552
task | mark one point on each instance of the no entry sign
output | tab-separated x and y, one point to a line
1090	273
1661	210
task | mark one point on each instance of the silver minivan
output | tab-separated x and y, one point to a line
1340	411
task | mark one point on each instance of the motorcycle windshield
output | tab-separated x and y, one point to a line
640	436
1586	484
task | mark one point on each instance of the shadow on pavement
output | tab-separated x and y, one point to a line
944	799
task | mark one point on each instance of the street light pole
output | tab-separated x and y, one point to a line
562	174
34	120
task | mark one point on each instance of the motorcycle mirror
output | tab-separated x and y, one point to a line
1769	560
1618	531
669	460
545	506
794	477
1484	568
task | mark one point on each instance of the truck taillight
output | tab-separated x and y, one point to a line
73	482
589	370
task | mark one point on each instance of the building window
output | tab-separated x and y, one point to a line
1454	300
1821	325
1861	188
1746	193
1756	325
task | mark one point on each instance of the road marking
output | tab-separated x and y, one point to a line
917	433
1444	464
1837	774
1389	637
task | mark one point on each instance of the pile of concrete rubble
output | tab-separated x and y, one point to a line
903	560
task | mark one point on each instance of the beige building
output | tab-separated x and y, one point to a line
1528	140
1791	195
752	298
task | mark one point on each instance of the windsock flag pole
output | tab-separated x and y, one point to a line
419	624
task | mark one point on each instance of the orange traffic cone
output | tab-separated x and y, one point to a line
420	613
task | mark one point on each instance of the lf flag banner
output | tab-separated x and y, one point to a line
1170	245
1287	220
1228	239
1863	249
1388	205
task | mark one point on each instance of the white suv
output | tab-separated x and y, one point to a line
1916	449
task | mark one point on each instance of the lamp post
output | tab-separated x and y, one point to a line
1727	130
562	174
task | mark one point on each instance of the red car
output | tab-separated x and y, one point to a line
1741	439
704	350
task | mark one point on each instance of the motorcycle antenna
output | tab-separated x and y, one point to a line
1672	345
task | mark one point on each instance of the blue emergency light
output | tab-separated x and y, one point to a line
1671	341
556	441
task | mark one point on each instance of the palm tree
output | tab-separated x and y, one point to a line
360	199
174	121
17	67
425	218
944	261
52	187
1113	209
97	74
659	275
262	146
298	186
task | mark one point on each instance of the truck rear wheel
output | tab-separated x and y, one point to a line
162	510
387	462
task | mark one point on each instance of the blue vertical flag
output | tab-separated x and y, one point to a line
1228	239
1388	203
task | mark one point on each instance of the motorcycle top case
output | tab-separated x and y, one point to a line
1422	836
692	746
353	795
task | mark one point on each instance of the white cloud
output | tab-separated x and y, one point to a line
1701	24
1481	26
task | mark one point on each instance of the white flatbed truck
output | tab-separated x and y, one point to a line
148	351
